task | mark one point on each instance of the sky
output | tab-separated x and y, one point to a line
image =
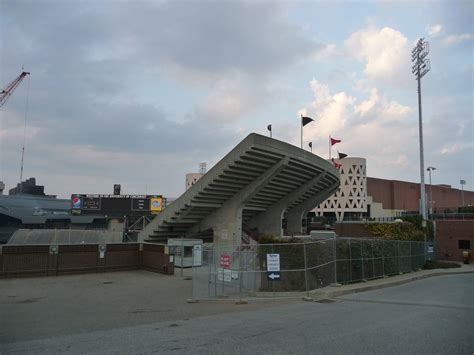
140	92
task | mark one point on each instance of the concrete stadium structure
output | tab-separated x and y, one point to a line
258	184
351	197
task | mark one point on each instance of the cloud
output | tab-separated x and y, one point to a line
435	30
331	111
372	127
340	112
327	51
456	39
385	51
106	92
377	106
450	149
215	37
231	97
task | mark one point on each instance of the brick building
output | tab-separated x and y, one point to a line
391	197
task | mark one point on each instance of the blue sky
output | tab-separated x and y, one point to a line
139	93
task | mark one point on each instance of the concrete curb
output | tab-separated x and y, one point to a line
333	291
389	283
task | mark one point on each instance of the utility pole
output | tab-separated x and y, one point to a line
430	169
421	66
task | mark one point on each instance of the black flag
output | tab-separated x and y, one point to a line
269	127
305	120
342	155
310	144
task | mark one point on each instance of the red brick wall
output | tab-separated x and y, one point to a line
448	233
402	195
34	260
381	191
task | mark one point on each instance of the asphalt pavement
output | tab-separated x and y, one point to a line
428	316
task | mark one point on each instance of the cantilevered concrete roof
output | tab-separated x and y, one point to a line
253	185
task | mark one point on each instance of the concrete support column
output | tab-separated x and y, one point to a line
296	214
294	221
269	222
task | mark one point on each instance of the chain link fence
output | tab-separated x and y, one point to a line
242	271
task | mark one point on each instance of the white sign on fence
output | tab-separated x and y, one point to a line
273	267
197	255
227	275
273	262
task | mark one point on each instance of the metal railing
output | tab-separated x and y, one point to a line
242	271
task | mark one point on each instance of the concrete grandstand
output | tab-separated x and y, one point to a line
260	183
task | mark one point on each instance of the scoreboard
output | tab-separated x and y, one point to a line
117	205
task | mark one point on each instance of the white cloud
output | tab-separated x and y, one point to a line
231	97
454	148
374	127
368	106
340	112
456	39
377	106
435	30
450	149
328	50
330	109
385	51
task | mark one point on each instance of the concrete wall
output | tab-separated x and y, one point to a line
448	234
377	210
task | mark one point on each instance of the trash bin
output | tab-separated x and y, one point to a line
466	256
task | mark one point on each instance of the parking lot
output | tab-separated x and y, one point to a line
428	316
40	307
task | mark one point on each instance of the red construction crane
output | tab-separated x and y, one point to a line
5	93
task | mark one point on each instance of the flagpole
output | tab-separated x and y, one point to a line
304	121
301	131
329	147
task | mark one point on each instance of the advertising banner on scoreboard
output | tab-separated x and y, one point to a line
156	204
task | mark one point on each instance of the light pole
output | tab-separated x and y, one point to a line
421	66
462	182
430	169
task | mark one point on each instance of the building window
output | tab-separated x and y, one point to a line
464	244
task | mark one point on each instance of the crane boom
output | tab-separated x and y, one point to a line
6	93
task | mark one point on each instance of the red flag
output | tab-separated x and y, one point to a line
334	141
337	165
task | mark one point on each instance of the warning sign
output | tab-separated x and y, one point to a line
225	261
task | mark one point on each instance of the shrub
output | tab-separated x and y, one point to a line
395	231
436	264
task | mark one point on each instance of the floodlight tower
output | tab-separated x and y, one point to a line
462	182
421	66
430	169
